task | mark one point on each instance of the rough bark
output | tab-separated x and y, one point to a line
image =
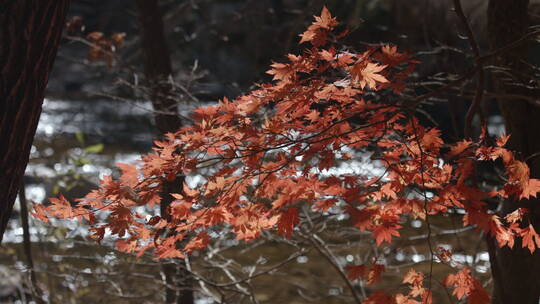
30	32
158	68
516	272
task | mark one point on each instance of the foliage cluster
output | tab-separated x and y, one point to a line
263	157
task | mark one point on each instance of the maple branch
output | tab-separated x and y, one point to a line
531	100
426	212
137	105
475	105
466	76
532	156
471	72
509	46
469	32
92	45
327	254
224	268
292	257
442	233
302	140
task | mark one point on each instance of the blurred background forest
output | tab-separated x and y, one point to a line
97	113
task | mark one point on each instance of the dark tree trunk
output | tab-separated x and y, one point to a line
516	272
158	69
157	66
30	32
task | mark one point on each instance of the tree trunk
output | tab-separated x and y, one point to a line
158	68
516	272
30	32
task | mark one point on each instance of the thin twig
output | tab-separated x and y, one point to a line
478	97
36	292
332	261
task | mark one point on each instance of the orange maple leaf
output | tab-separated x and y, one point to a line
325	20
518	172
530	238
129	174
384	233
413	277
459	148
367	74
317	31
530	188
281	71
466	285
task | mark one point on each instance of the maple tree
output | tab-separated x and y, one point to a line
262	158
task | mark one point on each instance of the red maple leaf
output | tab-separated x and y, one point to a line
287	221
